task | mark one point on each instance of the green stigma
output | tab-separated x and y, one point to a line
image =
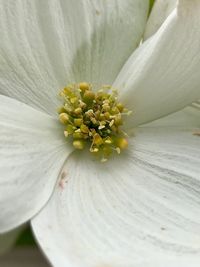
94	118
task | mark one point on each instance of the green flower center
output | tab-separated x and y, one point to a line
94	118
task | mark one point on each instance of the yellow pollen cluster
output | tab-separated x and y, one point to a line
94	118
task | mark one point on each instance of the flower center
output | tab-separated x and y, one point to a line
94	118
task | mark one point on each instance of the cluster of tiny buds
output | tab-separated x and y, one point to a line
94	118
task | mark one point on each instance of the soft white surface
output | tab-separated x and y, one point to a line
160	11
23	257
141	209
32	152
47	44
162	75
188	117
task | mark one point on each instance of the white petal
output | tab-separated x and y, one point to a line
23	257
140	208
162	76
46	44
32	152
178	262
8	240
159	13
188	117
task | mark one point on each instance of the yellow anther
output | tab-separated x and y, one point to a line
111	123
122	143
118	119
66	92
94	121
108	140
101	127
107	115
84	128
79	144
106	107
61	110
64	118
61	94
97	114
89	113
106	102
73	100
67	108
94	150
118	150
78	111
78	135
82	104
88	96
66	133
84	86
115	110
78	122
70	129
102	117
97	139
120	107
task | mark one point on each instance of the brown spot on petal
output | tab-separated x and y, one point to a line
197	133
63	180
63	175
97	12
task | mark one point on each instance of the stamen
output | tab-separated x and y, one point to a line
93	117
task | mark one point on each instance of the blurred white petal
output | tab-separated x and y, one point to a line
140	208
162	75
47	44
32	152
160	11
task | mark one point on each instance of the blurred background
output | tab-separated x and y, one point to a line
23	253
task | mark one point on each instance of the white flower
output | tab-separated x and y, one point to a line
140	208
